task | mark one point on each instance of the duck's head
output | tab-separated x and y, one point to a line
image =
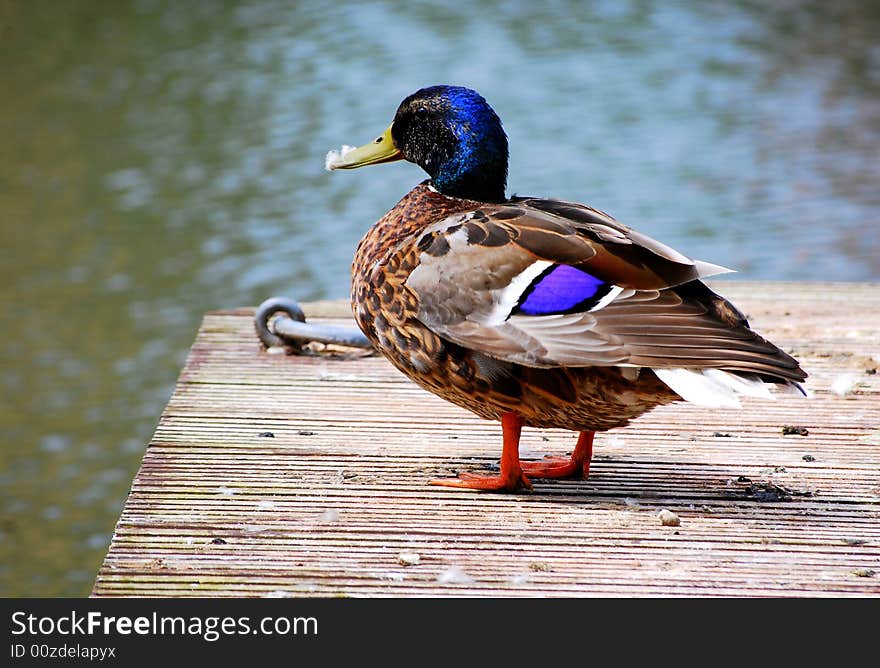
449	131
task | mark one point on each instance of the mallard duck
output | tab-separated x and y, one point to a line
536	312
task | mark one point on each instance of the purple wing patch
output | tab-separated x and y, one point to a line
562	289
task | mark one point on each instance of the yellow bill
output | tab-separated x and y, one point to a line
383	149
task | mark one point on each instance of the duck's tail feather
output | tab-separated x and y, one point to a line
718	388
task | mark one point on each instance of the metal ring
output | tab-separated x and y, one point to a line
267	311
294	331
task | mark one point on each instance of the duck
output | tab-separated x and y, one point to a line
536	312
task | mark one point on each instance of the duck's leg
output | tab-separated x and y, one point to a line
578	466
511	476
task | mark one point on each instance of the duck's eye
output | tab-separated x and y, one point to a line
421	112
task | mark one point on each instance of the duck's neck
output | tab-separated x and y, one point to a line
470	185
475	171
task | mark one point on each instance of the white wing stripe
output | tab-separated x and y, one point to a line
607	299
508	297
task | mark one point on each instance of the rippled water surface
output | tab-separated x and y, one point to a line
161	159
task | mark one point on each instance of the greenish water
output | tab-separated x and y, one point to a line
161	159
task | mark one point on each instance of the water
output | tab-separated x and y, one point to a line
162	159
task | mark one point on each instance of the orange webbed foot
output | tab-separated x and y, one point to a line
577	466
511	477
506	481
555	467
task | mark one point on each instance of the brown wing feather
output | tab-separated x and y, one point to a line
665	318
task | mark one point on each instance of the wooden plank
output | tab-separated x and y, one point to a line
327	505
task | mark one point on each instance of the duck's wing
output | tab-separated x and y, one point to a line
548	283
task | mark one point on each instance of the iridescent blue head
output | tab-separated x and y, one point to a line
449	131
456	137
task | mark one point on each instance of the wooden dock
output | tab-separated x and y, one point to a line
277	475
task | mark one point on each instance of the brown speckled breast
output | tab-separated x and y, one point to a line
586	398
